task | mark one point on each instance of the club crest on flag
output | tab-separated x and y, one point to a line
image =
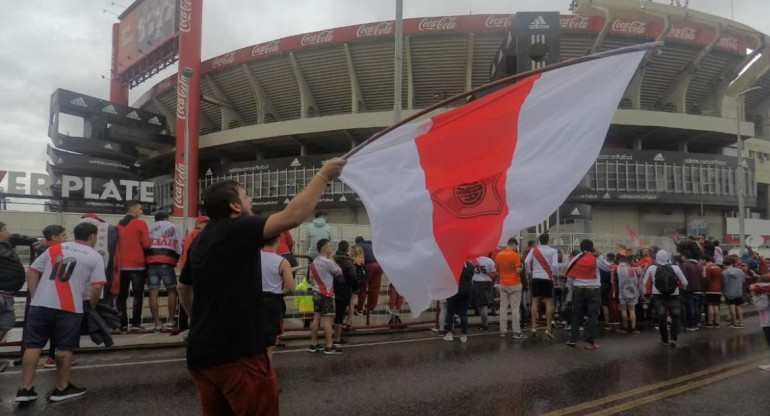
470	200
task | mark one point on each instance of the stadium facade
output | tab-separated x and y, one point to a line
272	112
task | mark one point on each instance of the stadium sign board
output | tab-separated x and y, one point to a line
41	184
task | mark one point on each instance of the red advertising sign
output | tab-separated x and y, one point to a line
679	32
144	26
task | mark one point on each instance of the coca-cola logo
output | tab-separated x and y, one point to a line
728	42
375	29
683	33
499	21
223	60
181	97
266	48
185	15
317	38
574	22
179	183
438	23
634	27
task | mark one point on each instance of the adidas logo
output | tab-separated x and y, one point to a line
575	212
539	24
659	158
133	115
108	146
286	201
209	172
509	39
110	110
59	161
154	121
606	196
295	163
80	102
343	199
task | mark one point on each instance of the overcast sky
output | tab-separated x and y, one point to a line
47	44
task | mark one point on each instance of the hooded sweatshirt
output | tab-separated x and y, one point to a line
316	230
662	258
133	240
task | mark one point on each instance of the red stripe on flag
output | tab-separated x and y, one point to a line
63	289
465	157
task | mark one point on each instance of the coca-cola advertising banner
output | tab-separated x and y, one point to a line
679	32
143	27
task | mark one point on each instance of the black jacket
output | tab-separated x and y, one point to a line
346	284
98	323
11	271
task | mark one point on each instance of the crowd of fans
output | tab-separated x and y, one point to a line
540	288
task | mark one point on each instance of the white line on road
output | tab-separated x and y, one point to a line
176	360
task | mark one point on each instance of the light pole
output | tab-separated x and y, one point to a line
397	76
741	180
187	73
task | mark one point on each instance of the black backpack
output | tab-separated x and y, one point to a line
666	280
360	275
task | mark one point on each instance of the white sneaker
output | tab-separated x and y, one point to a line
503	335
463	338
765	367
449	337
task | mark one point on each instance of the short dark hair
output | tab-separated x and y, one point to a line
530	243
728	261
512	241
343	246
84	231
610	257
52	230
359	239
130	204
321	214
270	241
161	216
587	245
322	242
543	239
218	197
707	258
715	243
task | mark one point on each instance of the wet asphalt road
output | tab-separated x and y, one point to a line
416	373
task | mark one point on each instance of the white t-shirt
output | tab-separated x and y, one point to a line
67	270
323	271
272	280
535	268
484	267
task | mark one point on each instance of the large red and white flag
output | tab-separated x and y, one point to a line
450	188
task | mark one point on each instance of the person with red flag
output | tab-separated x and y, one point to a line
584	274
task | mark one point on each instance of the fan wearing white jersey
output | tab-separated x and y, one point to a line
57	281
541	263
277	281
484	274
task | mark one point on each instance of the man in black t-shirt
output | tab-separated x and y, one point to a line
221	289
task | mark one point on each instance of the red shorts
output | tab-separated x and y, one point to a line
248	386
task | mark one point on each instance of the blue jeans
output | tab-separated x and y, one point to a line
691	309
458	305
158	272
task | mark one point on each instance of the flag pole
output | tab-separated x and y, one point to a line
507	80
